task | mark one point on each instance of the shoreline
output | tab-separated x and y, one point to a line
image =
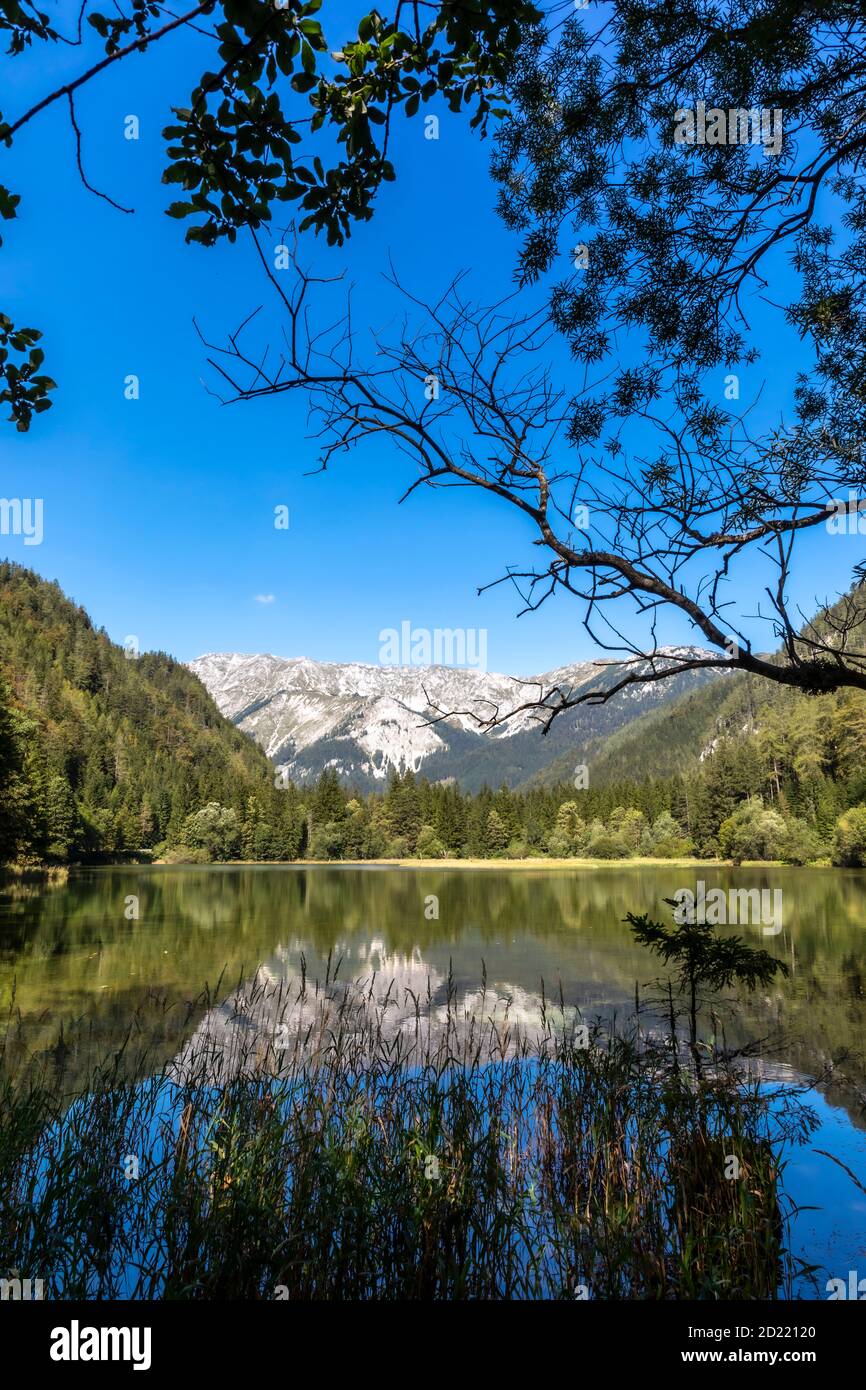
511	863
539	864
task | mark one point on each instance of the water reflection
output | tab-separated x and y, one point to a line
81	969
412	1011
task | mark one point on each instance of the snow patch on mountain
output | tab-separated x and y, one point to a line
366	719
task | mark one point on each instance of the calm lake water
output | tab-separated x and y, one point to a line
81	966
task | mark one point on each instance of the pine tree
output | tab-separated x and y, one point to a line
62	818
495	834
249	829
329	802
403	809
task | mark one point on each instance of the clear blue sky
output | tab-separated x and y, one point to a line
159	513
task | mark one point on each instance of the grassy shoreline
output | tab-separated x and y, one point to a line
637	862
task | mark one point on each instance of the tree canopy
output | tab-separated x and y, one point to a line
646	486
235	146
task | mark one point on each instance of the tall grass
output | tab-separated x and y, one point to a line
344	1145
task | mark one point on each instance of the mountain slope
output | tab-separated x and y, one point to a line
101	754
660	742
814	734
365	720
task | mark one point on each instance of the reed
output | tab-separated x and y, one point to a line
335	1144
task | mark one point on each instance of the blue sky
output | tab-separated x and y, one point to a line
159	512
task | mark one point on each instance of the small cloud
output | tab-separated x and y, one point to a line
265	598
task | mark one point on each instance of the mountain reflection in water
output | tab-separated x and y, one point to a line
81	971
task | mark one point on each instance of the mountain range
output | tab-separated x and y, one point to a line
365	720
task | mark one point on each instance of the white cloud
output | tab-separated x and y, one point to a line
265	598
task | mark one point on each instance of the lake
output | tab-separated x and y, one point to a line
171	944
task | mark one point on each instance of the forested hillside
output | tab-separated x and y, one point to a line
103	755
802	755
806	752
